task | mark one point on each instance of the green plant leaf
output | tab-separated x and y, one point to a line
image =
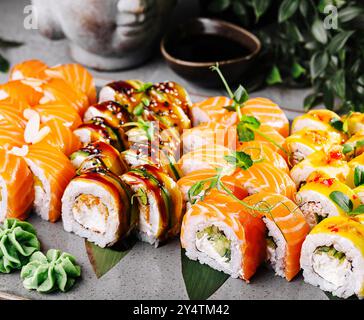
244	133
339	41
297	70
339	84
104	259
239	159
201	281
239	9
287	9
145	87
4	64
337	124
219	5
241	95
319	32
195	190
274	76
138	110
9	43
359	175
318	63
350	13
342	200
260	7
310	101
357	210
230	108
251	120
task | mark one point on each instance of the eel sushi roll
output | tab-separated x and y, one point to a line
159	201
331	163
99	154
98	130
286	231
52	171
355	122
305	142
320	119
356	174
16	187
218	231
332	257
115	114
316	202
97	205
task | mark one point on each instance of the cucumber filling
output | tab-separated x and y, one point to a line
214	243
91	213
331	265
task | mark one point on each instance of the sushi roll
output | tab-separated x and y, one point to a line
159	201
320	119
115	114
305	142
12	113
355	122
332	257
28	69
97	205
220	233
261	151
11	135
52	171
356	172
267	112
359	191
265	177
98	130
316	202
208	157
187	182
355	145
286	231
99	154
331	163
16	187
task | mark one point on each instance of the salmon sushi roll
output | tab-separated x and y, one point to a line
99	130
97	205
99	154
115	114
355	178
159	201
61	137
187	182
286	231
261	151
267	112
29	69
11	135
331	163
12	114
305	142
332	257
355	122
208	157
77	77
52	171
60	111
212	110
316	200
220	233
16	187
262	177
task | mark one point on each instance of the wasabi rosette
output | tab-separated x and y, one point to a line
18	241
332	257
323	197
47	273
97	205
160	203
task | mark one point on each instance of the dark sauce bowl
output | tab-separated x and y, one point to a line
193	47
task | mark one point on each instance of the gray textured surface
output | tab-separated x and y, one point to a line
145	273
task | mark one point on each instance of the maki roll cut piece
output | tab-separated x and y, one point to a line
99	154
355	122
355	145
317	199
332	257
97	205
355	177
159	201
286	231
218	231
16	187
331	163
98	130
305	142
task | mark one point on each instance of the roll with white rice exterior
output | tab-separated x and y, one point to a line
332	257
96	205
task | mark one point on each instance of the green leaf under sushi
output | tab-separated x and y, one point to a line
104	259
201	281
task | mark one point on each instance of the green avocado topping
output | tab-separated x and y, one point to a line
331	251
217	238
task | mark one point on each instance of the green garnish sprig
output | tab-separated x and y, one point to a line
345	203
